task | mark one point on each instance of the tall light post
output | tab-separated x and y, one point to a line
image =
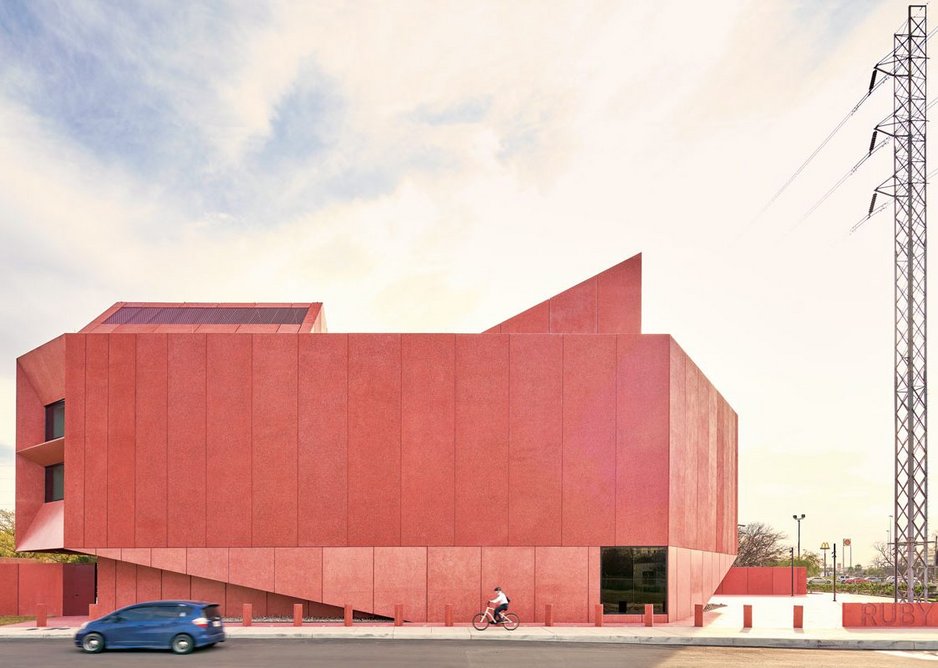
824	548
798	519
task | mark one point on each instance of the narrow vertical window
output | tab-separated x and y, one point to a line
55	420
55	482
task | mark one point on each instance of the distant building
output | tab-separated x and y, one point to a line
238	453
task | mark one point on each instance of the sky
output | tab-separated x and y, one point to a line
440	166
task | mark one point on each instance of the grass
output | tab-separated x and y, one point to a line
13	619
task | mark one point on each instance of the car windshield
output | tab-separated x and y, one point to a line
211	612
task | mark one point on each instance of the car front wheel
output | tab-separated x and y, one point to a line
93	643
183	644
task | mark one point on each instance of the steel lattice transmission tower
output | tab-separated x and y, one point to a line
907	66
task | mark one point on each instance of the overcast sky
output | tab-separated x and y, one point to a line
440	166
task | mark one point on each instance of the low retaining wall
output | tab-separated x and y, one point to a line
904	615
65	589
763	581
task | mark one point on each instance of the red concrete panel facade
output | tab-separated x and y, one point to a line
562	579
298	571
401	578
149	584
428	478
228	439
374	447
323	439
121	439
348	577
454	577
512	569
186	492
274	436
150	434
351	468
642	438
96	440
481	440
589	440
125	584
535	449
74	529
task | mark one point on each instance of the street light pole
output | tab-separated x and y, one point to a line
834	580
798	519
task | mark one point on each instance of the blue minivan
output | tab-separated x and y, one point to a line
177	625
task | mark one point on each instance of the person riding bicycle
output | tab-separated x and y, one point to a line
500	602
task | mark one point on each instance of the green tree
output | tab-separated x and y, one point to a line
8	545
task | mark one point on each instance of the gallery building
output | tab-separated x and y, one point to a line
239	453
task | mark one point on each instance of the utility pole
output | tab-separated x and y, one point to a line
907	185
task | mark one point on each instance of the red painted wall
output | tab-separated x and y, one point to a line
64	588
763	581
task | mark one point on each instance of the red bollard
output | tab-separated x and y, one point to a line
247	614
649	614
297	614
747	616
448	614
598	614
698	615
799	617
347	620
548	615
42	614
398	614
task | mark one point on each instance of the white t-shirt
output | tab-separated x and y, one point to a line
501	599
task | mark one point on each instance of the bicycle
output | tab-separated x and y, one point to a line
482	620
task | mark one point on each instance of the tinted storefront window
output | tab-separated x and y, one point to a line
632	577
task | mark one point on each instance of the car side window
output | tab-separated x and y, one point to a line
134	614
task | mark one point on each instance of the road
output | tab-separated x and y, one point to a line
445	653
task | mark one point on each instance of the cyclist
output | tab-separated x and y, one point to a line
500	602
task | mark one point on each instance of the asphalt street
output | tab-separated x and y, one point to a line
458	654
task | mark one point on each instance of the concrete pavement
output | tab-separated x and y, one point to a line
772	627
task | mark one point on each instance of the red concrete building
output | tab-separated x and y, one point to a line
239	453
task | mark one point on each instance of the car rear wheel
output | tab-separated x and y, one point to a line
93	643
183	644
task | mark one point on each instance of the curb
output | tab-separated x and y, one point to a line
894	644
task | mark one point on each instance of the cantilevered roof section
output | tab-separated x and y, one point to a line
143	317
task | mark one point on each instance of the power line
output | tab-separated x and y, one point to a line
843	179
874	84
820	147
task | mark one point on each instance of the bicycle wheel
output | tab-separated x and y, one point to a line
480	622
512	621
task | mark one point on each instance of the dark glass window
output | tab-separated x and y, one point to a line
55	420
630	577
55	482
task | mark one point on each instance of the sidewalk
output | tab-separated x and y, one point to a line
722	627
